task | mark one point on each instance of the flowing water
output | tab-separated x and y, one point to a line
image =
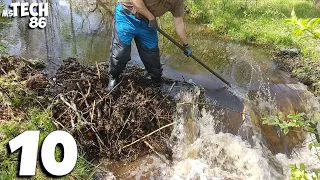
223	139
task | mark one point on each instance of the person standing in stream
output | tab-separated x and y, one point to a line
136	19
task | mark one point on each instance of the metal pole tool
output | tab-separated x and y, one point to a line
194	57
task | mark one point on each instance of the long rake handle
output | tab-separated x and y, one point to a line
195	58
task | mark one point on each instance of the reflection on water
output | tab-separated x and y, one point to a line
72	30
80	29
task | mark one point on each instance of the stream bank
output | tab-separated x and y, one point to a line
263	24
304	69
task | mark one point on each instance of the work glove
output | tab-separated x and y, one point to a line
153	24
187	50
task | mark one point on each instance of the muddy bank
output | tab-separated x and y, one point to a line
103	124
304	69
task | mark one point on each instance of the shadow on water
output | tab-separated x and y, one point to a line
79	29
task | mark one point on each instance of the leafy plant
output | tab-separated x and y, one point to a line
293	120
308	124
304	25
300	173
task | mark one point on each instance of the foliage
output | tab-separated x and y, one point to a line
308	124
259	22
300	173
15	92
26	113
311	26
3	21
298	120
39	120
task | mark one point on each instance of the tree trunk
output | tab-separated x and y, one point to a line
318	4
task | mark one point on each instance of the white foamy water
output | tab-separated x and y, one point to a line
200	151
217	155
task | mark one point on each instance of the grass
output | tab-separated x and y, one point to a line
24	111
3	22
38	120
259	22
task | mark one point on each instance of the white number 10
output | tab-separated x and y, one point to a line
29	142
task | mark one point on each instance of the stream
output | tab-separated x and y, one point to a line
225	140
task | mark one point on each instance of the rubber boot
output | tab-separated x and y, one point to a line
113	84
156	81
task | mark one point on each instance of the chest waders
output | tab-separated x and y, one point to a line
126	28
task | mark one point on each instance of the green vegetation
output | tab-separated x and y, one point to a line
259	22
3	21
307	29
22	109
298	120
38	120
307	124
300	173
305	25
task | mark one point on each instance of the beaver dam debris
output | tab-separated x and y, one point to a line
17	75
103	123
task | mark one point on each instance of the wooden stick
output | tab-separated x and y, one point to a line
97	66
58	123
92	112
195	58
89	89
125	123
148	135
74	108
3	71
167	94
158	154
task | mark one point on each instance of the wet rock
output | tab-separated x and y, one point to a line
292	52
102	175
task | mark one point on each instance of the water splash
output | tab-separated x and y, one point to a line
217	155
212	154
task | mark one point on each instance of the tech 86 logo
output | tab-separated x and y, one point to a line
37	11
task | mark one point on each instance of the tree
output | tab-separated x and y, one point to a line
318	3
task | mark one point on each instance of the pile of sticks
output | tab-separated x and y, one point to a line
119	126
